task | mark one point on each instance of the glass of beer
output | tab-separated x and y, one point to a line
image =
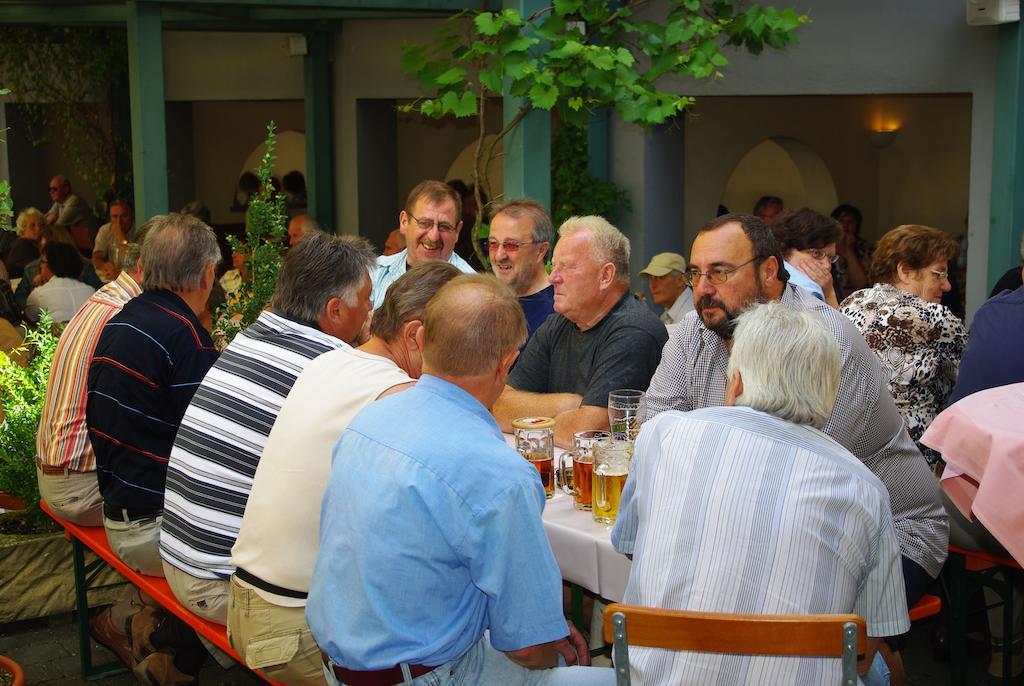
577	467
624	410
535	440
611	467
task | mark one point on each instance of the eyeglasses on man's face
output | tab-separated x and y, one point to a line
426	224
511	247
716	275
819	254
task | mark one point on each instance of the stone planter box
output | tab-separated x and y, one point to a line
38	577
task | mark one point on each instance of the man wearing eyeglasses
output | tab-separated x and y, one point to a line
68	209
521	234
430	223
736	261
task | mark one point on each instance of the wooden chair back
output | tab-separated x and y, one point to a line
843	636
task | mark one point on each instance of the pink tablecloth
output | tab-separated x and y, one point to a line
981	438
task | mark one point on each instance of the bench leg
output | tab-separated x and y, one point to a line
958	620
89	671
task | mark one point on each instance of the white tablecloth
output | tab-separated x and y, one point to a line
583	549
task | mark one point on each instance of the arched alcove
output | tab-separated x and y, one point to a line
784	167
462	167
290	151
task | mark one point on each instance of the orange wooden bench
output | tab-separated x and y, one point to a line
95	539
927	606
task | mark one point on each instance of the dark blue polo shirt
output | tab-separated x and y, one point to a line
536	308
993	354
148	362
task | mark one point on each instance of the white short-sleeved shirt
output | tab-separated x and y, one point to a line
278	541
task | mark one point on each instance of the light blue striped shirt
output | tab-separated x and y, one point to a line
798	278
732	510
390	267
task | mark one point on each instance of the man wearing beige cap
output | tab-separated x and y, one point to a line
667	281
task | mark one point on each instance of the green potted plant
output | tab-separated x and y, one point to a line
22	391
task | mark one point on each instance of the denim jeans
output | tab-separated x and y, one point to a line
482	664
878	675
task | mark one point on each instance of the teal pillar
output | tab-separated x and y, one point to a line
1007	155
319	176
149	127
598	129
528	146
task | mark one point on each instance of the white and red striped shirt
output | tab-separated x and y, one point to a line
63	438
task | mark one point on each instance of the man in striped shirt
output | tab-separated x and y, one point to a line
148	362
65	462
320	303
751	509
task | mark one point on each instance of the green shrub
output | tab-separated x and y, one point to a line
22	392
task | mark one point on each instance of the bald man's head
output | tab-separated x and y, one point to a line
471	324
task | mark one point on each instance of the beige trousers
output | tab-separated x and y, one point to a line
74	496
137	544
207	598
274	640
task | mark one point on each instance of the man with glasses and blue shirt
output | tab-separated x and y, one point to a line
735	261
521	235
430	223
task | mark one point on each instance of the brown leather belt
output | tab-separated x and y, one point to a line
53	471
380	677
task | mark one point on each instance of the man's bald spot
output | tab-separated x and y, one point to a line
471	323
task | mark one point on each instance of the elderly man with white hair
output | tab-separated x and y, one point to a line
603	338
750	508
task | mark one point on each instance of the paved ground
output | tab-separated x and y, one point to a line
48	651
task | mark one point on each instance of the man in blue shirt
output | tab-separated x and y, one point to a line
433	559
521	235
992	357
430	222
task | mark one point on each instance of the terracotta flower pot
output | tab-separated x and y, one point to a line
10	502
14	669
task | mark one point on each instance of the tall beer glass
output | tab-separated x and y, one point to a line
611	467
577	467
624	409
535	440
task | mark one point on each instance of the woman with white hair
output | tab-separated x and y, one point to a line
26	247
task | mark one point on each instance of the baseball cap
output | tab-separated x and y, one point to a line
665	262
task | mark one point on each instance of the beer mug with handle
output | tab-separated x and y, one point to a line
612	458
625	407
535	440
577	467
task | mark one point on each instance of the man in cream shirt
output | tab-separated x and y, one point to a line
278	540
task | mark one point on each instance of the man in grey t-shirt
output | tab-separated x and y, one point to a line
604	339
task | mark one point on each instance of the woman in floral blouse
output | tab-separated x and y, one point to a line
917	340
